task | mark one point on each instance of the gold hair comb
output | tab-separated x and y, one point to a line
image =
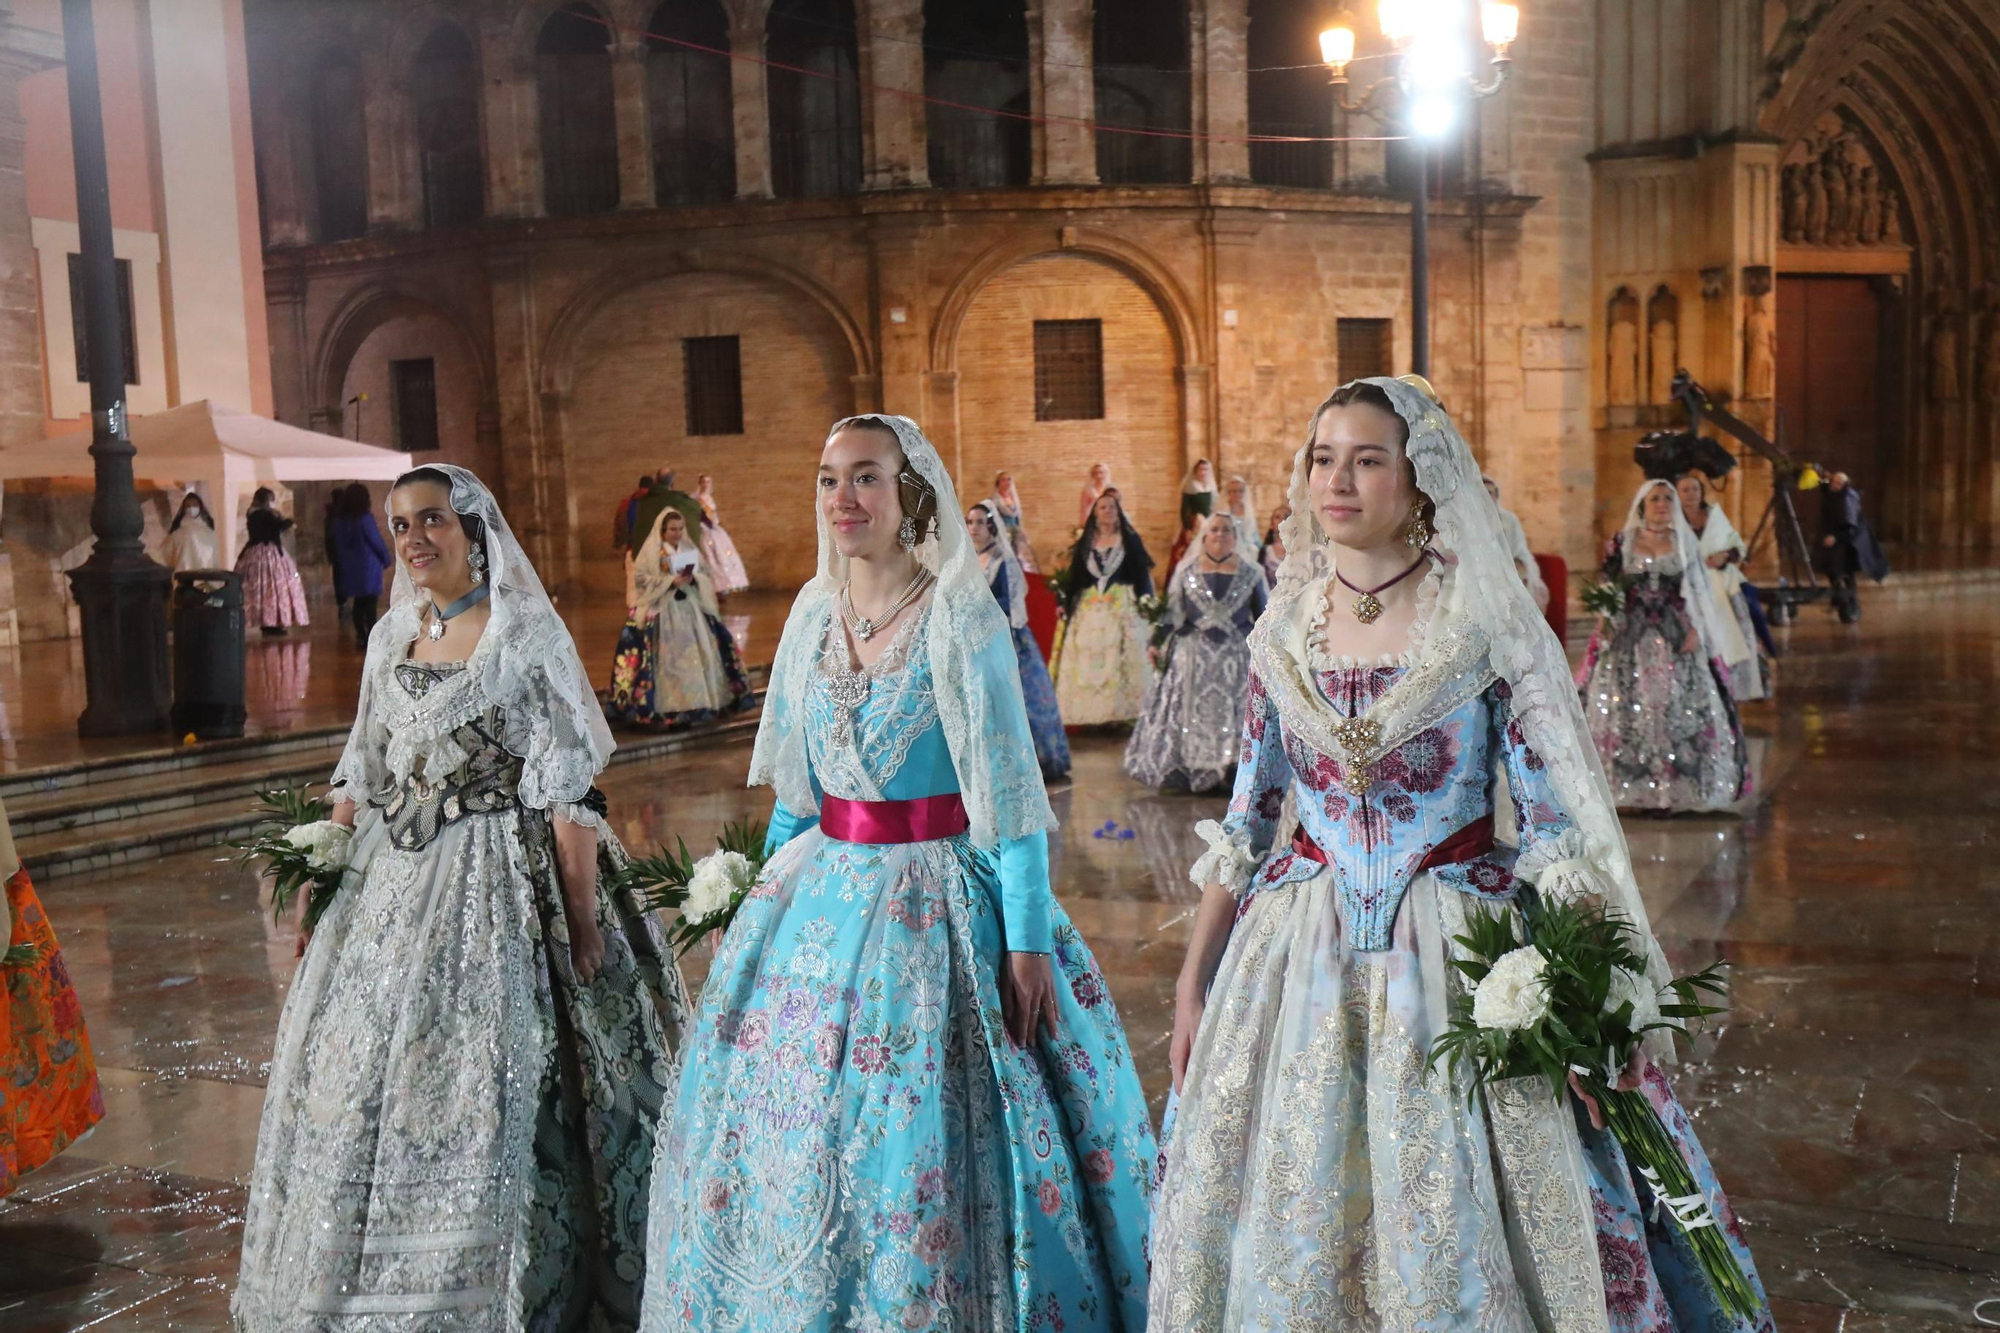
1420	384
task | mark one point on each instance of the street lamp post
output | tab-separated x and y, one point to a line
1431	75
121	593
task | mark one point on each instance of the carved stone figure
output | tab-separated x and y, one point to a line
1622	355
1816	204
1665	360
1868	206
1760	349
1795	202
1837	197
1892	216
1944	360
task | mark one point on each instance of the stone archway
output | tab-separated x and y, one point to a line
373	330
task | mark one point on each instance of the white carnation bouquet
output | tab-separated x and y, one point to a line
300	848
706	893
1567	999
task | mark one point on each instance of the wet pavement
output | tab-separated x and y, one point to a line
1848	1103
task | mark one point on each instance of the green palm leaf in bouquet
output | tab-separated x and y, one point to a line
705	893
292	869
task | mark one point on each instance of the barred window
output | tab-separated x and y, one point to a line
1365	348
713	369
80	327
1069	369
413	393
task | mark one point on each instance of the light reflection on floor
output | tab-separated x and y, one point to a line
1849	1104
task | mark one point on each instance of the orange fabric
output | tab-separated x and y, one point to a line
48	1078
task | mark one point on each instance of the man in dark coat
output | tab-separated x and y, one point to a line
1847	545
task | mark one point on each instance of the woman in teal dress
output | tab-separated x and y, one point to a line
907	1101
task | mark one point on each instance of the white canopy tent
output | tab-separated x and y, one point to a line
233	452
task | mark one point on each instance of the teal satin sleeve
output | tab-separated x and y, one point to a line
1024	893
784	827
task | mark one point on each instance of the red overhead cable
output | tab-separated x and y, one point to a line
905	93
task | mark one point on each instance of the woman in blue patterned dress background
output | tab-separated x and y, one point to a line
907	1102
1005	576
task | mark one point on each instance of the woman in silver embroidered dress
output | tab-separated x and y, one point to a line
1655	684
1317	1176
458	1128
1186	738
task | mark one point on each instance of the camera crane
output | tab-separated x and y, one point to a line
1797	583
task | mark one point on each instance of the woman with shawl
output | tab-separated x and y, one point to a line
273	595
1241	504
1006	502
718	551
1198	491
1004	575
1723	551
190	542
458	1126
907	1101
676	662
1654	682
49	1096
1099	663
1186	738
1319	1175
1517	548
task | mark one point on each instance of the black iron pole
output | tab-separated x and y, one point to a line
1420	266
121	594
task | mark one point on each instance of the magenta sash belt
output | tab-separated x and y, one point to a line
925	819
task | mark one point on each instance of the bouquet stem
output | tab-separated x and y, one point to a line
1652	1153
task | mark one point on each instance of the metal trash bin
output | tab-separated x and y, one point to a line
208	654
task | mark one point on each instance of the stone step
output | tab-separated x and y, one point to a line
218	811
158	793
169	762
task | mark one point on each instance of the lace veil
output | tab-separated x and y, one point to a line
1484	596
999	777
525	663
1017	580
648	580
1697	593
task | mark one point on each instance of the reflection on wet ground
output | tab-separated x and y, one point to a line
1849	1102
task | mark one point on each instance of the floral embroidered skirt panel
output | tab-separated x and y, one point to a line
719	552
1188	736
677	667
1316	1178
457	1134
856	1144
1038	692
272	591
1663	722
1100	665
49	1095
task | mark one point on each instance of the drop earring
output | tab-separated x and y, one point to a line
1418	534
477	559
907	533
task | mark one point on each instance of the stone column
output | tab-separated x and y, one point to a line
1062	85
23	51
1197	415
752	106
292	389
894	129
282	155
635	130
389	120
903	344
940	417
513	129
1221	48
535	480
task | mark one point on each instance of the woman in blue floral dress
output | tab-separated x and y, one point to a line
1004	575
907	1101
1404	691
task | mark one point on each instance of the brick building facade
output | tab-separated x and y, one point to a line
515	217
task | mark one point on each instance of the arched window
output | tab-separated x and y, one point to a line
1294	102
977	55
688	99
579	114
448	130
1143	82
339	148
816	117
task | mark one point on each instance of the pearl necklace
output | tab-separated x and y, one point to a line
866	628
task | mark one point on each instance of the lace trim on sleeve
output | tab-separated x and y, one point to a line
1560	867
1228	862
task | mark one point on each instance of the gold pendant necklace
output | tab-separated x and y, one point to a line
1367	607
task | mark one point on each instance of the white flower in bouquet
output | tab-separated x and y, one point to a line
717	880
1511	996
1639	993
324	843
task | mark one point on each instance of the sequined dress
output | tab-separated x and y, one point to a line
457	1134
1186	738
1660	715
855	1142
1099	664
1316	1177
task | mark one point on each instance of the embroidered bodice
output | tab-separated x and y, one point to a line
474	775
1376	829
1653	598
1221	606
873	734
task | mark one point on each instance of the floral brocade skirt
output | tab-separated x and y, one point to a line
1190	732
272	591
1663	722
49	1095
1100	667
686	671
1317	1177
856	1144
724	564
1038	692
